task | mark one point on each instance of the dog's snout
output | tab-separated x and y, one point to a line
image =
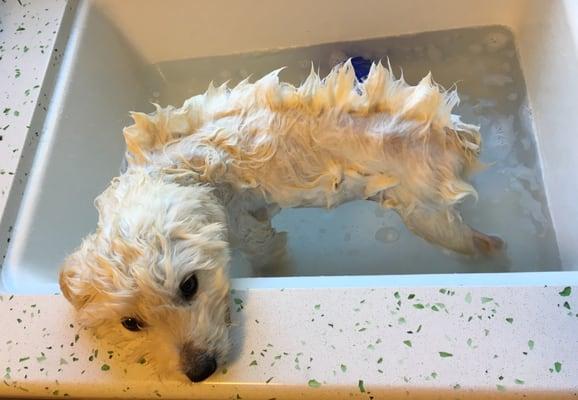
201	369
198	365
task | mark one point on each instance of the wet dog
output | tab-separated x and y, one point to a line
211	174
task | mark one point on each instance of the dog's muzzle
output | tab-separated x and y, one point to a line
197	364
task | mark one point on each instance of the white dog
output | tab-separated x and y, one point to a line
215	171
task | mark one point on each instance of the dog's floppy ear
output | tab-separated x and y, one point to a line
74	283
90	274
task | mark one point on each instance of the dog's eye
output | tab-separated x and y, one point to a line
132	324
188	287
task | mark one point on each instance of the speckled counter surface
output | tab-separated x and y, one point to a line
445	343
364	343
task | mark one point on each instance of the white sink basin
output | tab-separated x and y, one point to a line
123	55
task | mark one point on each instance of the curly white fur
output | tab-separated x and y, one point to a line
215	171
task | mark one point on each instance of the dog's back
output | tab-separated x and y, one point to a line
323	143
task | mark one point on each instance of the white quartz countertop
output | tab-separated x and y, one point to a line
296	343
436	342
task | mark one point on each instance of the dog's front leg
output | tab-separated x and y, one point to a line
263	246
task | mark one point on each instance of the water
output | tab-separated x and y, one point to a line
361	238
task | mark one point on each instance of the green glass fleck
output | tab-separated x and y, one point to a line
314	384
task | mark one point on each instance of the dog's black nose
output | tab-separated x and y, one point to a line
201	368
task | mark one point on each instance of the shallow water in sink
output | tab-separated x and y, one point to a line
360	238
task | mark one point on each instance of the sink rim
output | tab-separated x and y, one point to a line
490	279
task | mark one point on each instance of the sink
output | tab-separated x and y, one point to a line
514	63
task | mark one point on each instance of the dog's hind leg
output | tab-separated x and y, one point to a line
444	226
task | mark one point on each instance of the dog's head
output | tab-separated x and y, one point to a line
156	270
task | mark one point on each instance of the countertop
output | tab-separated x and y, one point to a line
294	343
436	342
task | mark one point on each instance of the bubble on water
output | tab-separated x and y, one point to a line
496	41
497	80
386	235
526	122
526	113
500	137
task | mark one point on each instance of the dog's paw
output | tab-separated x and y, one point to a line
488	245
